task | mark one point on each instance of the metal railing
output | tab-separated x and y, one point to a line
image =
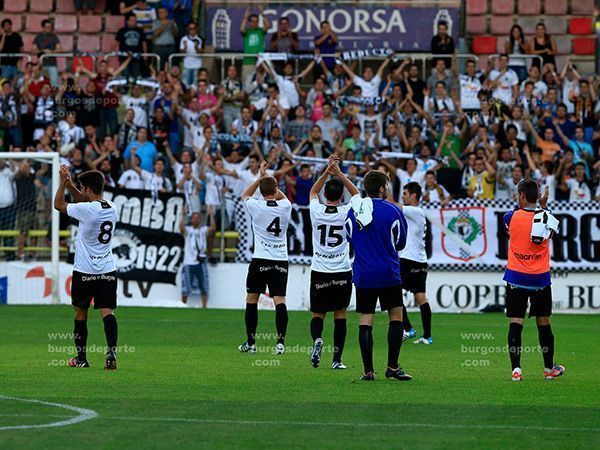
155	56
529	58
71	55
219	56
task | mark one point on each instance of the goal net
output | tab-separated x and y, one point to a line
30	232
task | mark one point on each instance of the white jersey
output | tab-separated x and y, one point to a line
130	179
469	90
330	247
195	244
504	90
93	250
270	220
415	238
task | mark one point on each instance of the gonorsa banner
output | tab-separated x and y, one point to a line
408	28
146	244
467	235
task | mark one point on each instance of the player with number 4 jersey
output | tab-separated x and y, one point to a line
269	266
331	271
94	271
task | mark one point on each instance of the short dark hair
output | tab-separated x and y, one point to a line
512	127
267	186
45	22
304	166
92	179
529	188
413	188
253	156
334	189
5	21
373	182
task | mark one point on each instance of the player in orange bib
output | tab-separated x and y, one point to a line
527	279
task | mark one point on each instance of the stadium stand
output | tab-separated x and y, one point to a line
488	24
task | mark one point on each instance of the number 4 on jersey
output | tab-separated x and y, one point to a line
275	227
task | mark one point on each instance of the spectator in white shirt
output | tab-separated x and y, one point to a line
193	45
504	82
368	83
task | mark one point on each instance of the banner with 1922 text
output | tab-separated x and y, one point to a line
146	244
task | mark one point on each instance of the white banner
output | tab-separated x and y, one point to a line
28	283
470	234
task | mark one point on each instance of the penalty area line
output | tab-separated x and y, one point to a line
83	414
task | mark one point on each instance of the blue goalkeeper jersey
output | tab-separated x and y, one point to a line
376	246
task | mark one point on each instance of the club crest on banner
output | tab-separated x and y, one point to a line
464	237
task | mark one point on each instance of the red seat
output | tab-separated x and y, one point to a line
584	46
108	41
583	7
530	7
580	25
33	23
555	7
484	45
17	23
90	24
65	6
114	23
476	24
15	6
27	41
501	25
65	23
503	6
88	43
477	6
66	42
41	6
556	25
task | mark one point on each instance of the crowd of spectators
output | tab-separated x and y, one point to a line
458	131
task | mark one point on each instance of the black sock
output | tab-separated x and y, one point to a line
316	328
394	342
365	339
80	334
251	318
405	320
111	331
339	338
547	343
426	319
281	321
514	344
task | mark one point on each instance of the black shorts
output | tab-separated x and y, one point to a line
389	297
263	274
517	298
330	291
414	275
102	288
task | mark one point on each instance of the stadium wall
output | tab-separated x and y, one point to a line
29	283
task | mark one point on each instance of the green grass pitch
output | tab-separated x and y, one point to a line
183	383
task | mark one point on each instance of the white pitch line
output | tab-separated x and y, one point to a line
335	424
84	414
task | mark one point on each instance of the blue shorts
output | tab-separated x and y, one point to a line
194	272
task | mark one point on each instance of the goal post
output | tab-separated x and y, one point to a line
53	160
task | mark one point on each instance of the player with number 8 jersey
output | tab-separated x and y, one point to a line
94	271
269	265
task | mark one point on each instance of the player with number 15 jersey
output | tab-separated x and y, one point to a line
331	271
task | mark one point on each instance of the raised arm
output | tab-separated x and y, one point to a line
59	198
250	190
